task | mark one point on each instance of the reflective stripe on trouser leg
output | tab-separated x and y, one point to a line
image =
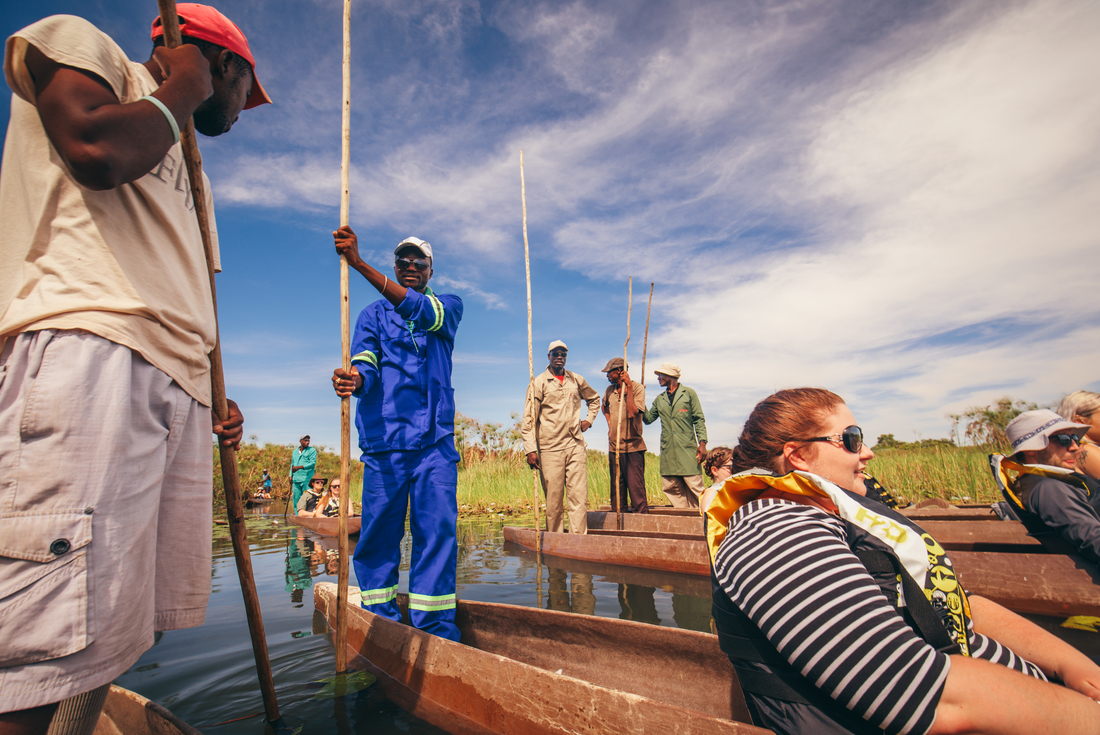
378	553
432	520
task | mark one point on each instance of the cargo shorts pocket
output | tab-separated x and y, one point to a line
45	605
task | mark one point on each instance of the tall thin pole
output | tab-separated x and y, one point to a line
341	641
531	369
645	341
228	455
616	499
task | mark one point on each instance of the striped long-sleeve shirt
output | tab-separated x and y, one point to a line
790	569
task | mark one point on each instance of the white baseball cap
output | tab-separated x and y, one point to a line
417	243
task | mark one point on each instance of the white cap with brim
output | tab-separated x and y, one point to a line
415	242
1031	430
556	343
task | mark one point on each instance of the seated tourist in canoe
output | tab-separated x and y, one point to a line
1083	407
1058	505
315	500
807	604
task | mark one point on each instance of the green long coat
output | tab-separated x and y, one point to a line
683	426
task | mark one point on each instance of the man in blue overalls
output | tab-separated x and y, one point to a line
401	373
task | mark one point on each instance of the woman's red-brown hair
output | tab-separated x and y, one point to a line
787	415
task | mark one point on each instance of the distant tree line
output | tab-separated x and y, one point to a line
980	426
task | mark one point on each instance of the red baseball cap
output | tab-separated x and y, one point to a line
207	24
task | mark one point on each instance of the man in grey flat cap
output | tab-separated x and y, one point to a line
552	438
624	438
683	438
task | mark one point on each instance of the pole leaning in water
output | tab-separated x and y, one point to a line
616	496
341	641
228	455
530	365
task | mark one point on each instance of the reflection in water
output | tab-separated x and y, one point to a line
576	597
637	604
307	558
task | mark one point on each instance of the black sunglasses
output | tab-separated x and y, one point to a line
851	438
1066	440
558	353
404	264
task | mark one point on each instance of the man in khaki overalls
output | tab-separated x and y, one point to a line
552	438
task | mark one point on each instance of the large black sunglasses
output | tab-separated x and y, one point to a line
404	264
1066	440
851	438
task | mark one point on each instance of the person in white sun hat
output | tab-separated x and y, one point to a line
1057	503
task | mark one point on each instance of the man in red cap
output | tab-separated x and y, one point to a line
107	320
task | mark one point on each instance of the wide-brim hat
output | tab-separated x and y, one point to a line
1031	430
208	24
667	368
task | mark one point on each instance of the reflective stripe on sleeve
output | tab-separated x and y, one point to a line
429	603
377	597
437	306
365	356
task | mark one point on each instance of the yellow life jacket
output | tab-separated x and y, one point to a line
918	553
1000	465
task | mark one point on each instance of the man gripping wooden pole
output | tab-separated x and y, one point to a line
341	641
228	455
616	496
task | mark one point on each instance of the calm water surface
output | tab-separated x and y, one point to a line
206	675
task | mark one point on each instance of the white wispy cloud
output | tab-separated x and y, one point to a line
826	193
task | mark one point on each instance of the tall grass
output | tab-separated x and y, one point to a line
502	483
956	474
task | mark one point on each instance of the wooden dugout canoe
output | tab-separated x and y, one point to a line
928	513
962	535
528	671
327	526
128	713
1041	584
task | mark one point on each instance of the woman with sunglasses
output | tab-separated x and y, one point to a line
842	616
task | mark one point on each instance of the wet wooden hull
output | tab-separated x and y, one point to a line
1042	584
929	513
327	526
127	713
679	584
616	676
961	535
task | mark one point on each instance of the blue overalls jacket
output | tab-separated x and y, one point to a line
404	356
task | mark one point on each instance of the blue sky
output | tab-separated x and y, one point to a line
897	201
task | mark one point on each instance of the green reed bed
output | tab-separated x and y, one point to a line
502	484
956	474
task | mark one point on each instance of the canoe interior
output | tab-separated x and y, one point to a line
616	676
127	713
